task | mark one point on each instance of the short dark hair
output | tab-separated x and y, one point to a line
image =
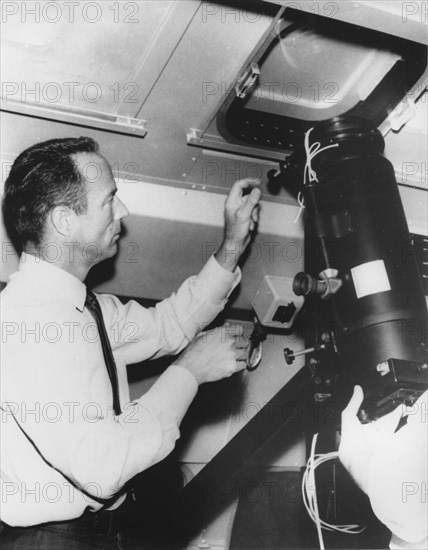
42	177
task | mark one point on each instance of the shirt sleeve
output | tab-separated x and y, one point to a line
168	400
139	333
77	435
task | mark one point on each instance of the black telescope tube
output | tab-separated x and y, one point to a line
355	223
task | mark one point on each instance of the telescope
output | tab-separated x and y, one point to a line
366	314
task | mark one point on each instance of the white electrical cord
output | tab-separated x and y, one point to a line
302	206
310	496
311	152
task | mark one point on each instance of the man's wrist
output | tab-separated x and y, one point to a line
193	373
228	254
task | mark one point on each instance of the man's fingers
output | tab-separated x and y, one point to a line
254	217
241	354
241	342
354	403
251	201
208	332
233	330
241	365
255	214
239	186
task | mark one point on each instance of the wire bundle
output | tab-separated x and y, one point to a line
310	496
311	152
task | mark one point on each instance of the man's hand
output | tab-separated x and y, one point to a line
241	213
215	354
359	441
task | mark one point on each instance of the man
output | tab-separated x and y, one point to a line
390	466
71	438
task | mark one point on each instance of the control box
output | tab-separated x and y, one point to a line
275	303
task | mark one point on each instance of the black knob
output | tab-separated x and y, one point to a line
304	284
289	356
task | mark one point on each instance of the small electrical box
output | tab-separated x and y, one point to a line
275	303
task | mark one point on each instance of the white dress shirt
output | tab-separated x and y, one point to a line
62	448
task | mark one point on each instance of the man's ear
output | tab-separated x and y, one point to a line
62	219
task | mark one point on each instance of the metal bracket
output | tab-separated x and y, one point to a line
247	81
199	139
93	119
333	283
132	124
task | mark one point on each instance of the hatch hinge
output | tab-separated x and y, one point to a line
400	116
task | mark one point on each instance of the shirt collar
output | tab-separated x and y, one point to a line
53	280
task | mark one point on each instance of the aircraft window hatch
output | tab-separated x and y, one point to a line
311	69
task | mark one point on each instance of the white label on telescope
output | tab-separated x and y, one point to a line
370	278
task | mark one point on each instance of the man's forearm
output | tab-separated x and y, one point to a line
228	255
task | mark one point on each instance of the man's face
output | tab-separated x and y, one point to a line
98	230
